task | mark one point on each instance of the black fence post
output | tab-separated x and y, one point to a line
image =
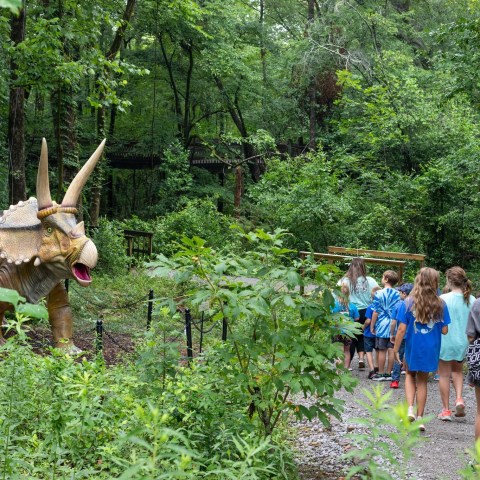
150	309
224	329
201	332
99	337
188	333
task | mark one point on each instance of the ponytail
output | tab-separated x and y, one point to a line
457	277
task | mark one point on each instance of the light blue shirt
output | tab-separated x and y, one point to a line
361	296
455	342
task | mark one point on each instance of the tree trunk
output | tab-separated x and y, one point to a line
237	199
312	87
16	119
110	55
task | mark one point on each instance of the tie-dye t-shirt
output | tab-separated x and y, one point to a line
384	303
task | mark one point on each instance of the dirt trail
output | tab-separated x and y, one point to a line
440	457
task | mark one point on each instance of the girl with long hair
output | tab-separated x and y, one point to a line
459	301
345	307
423	319
360	286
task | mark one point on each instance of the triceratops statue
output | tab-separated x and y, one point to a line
42	244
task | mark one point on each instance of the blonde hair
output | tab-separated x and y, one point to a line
427	305
375	290
344	299
457	278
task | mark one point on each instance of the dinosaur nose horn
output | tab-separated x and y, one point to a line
78	230
71	197
44	198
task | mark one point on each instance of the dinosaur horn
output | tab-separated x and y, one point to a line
73	193
44	198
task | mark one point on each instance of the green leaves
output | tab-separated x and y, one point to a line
279	340
19	304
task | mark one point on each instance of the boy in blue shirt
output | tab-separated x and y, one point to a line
404	290
384	304
369	338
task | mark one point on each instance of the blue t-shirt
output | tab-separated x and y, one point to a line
351	312
422	348
384	303
395	313
368	314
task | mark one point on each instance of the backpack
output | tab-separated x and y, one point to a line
473	361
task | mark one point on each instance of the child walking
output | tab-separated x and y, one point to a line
423	318
384	304
459	301
369	339
404	290
345	307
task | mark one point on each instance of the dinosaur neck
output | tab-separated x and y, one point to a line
31	282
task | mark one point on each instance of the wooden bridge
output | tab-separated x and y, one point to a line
199	156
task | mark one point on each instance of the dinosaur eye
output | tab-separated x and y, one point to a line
49	230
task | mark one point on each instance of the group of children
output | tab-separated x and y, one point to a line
410	326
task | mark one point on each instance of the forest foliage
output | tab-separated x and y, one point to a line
382	100
347	122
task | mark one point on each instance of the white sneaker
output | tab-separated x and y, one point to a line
411	414
421	426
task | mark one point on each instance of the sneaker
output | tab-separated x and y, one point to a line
403	372
387	377
361	364
460	408
445	415
411	414
371	374
375	369
436	377
378	377
394	384
421	426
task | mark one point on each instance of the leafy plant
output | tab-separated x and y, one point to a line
389	435
279	340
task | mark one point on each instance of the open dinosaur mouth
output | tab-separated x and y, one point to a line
82	273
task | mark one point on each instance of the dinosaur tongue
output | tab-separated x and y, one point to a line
82	272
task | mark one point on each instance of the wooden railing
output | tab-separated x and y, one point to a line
396	260
139	244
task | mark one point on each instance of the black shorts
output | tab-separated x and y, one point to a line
383	343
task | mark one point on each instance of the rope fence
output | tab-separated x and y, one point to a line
186	324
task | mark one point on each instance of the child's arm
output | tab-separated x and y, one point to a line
393	324
374	321
402	328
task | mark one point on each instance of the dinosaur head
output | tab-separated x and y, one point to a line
64	245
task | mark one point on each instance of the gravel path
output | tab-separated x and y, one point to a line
440	457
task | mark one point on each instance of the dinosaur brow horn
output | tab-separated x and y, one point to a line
71	197
44	198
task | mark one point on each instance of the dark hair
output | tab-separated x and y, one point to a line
391	276
457	277
356	270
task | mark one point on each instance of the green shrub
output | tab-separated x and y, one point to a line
109	240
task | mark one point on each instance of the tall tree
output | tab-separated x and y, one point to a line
16	116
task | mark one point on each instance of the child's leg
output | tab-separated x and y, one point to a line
391	359
477	418
381	356
410	388
346	353
422	379
444	370
361	348
375	358
457	377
